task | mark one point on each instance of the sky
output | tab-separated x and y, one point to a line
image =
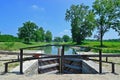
49	14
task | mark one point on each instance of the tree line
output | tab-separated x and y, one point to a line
104	15
64	38
31	32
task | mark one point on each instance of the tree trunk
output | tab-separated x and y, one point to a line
101	41
101	37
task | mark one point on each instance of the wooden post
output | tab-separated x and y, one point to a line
100	61
106	59
113	67
59	51
18	56
39	65
21	61
59	54
6	67
62	59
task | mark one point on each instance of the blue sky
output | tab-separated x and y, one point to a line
49	14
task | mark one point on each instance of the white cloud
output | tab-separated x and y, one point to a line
65	32
36	7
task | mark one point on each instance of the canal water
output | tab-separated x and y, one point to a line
54	50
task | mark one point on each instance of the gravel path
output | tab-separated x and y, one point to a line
61	77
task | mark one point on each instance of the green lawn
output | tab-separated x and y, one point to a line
109	46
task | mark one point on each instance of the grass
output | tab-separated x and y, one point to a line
109	46
17	45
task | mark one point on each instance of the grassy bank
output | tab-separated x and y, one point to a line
109	46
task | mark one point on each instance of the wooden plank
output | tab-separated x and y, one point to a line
91	55
48	59
73	59
99	61
51	72
72	66
49	66
8	53
16	53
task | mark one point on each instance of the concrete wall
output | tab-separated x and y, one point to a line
89	67
32	69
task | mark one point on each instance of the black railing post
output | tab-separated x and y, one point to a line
21	61
100	61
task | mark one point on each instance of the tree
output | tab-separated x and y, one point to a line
40	34
58	39
66	38
27	31
48	36
82	22
107	16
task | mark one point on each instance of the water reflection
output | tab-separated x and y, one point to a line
69	51
54	50
48	49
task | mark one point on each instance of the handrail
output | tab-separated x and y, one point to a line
112	64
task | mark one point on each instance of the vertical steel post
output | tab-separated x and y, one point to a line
21	61
100	61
